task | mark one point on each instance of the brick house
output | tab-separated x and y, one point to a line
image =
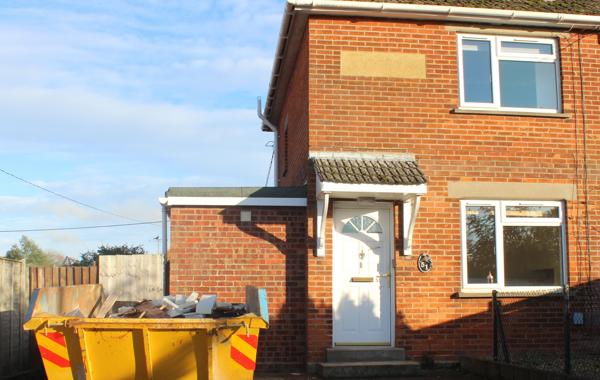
428	152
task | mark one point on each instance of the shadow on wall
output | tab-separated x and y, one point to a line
534	324
232	216
283	345
530	323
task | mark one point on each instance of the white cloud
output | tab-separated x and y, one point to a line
144	50
112	102
79	117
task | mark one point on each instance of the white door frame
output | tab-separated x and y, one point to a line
365	206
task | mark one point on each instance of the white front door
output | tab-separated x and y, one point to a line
362	275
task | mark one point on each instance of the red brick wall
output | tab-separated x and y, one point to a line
414	116
295	108
213	252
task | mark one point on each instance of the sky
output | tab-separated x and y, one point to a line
112	102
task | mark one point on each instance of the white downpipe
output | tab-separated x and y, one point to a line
450	13
165	243
273	129
322	208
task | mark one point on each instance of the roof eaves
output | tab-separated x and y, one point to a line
413	11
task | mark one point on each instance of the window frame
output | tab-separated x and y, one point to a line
500	221
496	55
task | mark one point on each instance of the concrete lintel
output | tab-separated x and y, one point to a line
512	191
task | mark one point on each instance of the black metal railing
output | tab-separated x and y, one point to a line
498	330
551	332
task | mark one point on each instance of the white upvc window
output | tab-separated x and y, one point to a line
513	245
509	73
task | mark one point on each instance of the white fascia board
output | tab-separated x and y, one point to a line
418	12
235	201
447	13
341	190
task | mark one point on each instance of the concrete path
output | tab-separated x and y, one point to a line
442	376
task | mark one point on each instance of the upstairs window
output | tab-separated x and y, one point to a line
512	244
509	73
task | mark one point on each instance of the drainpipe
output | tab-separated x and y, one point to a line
273	129
165	244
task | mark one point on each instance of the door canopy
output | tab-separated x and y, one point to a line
375	176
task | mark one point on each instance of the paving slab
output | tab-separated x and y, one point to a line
445	376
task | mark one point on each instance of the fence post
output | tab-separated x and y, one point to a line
495	325
567	328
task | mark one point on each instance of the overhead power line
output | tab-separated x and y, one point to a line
66	197
81	227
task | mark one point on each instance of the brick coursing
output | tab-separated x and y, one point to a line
213	252
414	116
295	108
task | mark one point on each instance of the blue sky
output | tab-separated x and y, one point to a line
111	102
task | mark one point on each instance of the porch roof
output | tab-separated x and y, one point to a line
368	168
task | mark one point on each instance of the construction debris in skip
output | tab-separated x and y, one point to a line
178	306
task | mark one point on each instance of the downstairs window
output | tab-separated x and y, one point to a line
512	244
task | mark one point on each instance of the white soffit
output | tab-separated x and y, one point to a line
383	192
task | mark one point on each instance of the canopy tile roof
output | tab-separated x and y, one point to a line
581	7
366	169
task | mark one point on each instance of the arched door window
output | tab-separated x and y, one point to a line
362	224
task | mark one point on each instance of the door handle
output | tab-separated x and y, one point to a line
389	278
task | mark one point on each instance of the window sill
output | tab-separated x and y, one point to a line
485	293
467	111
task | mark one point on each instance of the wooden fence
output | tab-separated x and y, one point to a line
44	277
129	276
14	299
132	278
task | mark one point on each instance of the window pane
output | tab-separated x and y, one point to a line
350	227
526	48
477	71
528	84
371	226
532	256
532	211
481	244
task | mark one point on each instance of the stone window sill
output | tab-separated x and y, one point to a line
484	293
467	111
